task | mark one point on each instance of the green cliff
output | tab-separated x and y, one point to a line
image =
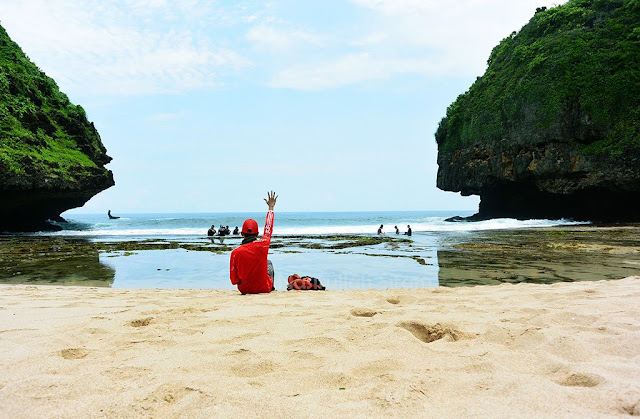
51	156
552	129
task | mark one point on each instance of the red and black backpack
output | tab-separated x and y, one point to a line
304	283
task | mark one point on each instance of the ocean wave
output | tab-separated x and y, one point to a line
425	226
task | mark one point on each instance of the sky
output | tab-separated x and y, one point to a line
206	105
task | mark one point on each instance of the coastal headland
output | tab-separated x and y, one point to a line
51	156
551	129
560	350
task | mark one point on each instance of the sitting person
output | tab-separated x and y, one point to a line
408	233
249	268
235	231
211	231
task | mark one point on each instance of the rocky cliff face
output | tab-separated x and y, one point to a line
51	156
552	129
550	180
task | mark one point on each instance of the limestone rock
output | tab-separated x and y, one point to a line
51	157
552	129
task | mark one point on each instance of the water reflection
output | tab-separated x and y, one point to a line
345	262
490	258
180	268
47	261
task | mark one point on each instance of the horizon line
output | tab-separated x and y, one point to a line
282	212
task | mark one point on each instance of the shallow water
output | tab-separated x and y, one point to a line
540	256
427	259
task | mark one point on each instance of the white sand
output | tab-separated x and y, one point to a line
497	351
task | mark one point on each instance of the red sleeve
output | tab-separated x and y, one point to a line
232	270
268	227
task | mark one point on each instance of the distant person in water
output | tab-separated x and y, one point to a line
211	231
397	231
249	268
235	231
111	217
380	229
408	233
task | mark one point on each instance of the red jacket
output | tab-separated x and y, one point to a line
249	263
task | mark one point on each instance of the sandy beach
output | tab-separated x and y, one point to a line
525	350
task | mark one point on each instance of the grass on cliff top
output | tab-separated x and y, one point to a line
575	66
40	130
57	158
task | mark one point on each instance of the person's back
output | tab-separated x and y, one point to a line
248	265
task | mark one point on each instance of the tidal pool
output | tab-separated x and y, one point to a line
542	255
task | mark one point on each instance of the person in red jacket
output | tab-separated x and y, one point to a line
249	268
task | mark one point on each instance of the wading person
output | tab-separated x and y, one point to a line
408	233
249	268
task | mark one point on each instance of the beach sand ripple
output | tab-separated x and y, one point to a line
560	350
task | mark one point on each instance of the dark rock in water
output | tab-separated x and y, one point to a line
457	218
470	219
552	129
51	156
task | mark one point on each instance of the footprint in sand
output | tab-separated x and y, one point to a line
74	353
363	312
252	368
430	333
580	380
169	394
630	408
141	322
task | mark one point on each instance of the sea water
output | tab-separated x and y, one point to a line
189	226
436	254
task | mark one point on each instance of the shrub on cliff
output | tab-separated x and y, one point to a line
42	134
571	74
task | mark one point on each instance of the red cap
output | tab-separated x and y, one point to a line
250	226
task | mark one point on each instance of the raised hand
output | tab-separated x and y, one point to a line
271	200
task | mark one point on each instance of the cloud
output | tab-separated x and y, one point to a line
269	37
145	47
371	39
346	70
428	38
126	47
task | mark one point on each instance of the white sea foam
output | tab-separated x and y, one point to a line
149	232
431	224
427	226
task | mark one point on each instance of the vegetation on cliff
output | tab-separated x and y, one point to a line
572	74
45	141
